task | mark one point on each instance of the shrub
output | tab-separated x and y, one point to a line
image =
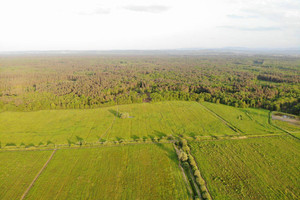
183	142
200	181
183	156
194	168
203	188
185	165
41	143
124	115
197	173
186	148
205	195
29	145
10	144
171	137
48	142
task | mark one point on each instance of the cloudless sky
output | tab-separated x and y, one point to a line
141	24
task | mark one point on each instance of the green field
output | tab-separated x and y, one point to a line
257	168
147	171
287	126
17	170
146	120
247	120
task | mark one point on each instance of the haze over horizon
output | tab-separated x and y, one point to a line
169	24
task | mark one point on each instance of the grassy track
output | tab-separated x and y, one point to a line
147	171
248	120
256	168
17	170
147	120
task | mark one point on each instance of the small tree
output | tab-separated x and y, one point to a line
124	115
183	156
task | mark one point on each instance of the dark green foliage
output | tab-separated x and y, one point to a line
10	144
88	82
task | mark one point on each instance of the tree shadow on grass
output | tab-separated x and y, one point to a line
135	137
115	113
159	134
170	152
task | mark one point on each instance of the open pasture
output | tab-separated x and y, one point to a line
18	169
144	171
247	120
256	168
90	125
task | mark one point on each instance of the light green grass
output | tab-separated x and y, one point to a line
256	168
17	170
147	120
248	120
287	126
146	171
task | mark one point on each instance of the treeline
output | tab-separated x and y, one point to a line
76	82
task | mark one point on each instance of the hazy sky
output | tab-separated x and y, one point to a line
141	24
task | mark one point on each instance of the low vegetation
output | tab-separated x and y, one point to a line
256	168
17	170
149	121
145	171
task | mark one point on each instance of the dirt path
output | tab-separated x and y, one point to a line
235	129
37	176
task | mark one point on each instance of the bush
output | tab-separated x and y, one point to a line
124	115
48	142
205	195
29	145
200	181
185	165
10	144
183	142
203	188
186	148
197	173
171	137
183	156
41	143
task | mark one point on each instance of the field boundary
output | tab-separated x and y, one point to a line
272	124
235	129
37	176
183	173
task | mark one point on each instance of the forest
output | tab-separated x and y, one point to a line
43	82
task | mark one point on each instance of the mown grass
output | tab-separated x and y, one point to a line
247	120
146	120
17	170
256	168
145	171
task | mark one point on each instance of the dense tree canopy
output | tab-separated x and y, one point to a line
70	82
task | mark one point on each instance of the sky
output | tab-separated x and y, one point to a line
148	25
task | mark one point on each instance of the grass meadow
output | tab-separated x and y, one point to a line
256	168
18	169
146	120
247	120
144	171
